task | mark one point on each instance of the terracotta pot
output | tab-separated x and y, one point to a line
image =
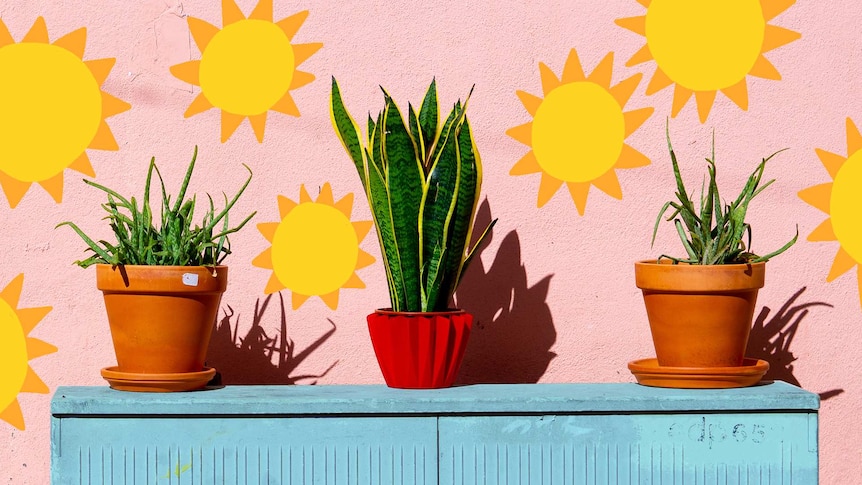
161	317
699	315
419	350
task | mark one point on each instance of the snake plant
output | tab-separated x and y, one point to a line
714	235
422	180
176	243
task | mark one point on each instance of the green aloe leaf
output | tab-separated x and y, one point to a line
347	129
428	119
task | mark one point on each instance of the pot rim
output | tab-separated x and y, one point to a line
654	262
164	266
390	311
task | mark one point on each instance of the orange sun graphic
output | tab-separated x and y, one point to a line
707	46
16	348
842	200
53	109
578	131
315	248
248	67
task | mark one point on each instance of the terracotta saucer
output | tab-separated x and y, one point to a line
649	373
185	381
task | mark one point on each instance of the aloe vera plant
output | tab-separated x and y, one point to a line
714	234
422	180
176	242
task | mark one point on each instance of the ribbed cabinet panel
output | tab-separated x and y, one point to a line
383	450
666	449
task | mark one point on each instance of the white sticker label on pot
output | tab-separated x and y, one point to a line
190	279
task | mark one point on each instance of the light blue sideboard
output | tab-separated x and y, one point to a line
483	434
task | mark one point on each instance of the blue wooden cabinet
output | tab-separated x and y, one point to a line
483	434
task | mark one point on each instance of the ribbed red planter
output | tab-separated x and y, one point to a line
419	350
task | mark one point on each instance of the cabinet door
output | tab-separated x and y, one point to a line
746	449
245	450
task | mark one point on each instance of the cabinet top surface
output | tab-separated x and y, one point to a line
474	399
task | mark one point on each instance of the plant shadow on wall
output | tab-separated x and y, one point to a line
514	330
249	360
771	338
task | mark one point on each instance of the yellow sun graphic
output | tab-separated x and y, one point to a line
708	46
53	109
578	131
16	348
315	248
248	67
841	199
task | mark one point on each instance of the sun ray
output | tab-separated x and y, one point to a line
635	24
104	139
772	8
5	36
831	161
202	32
38	32
100	68
13	415
354	282
286	105
14	189
609	184
526	165
531	103
199	105
818	196
82	164
549	79
303	195
631	158
522	133
843	263
720	44
362	228
823	232
642	55
113	106
579	193
345	206
38	348
229	123
285	205
297	300
623	91
54	186
854	139
764	69
300	79
274	285
325	195
738	93
263	11
12	291
301	52
364	260
704	101
188	72
230	13
32	383
775	37
331	299
267	229
258	125
645	3
264	259
658	82
74	42
30	317
291	25
573	71
548	186
634	119
601	75
681	96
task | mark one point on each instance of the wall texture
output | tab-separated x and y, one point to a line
554	289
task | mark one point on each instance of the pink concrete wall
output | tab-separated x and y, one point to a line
554	290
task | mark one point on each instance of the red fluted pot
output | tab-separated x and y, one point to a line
418	350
